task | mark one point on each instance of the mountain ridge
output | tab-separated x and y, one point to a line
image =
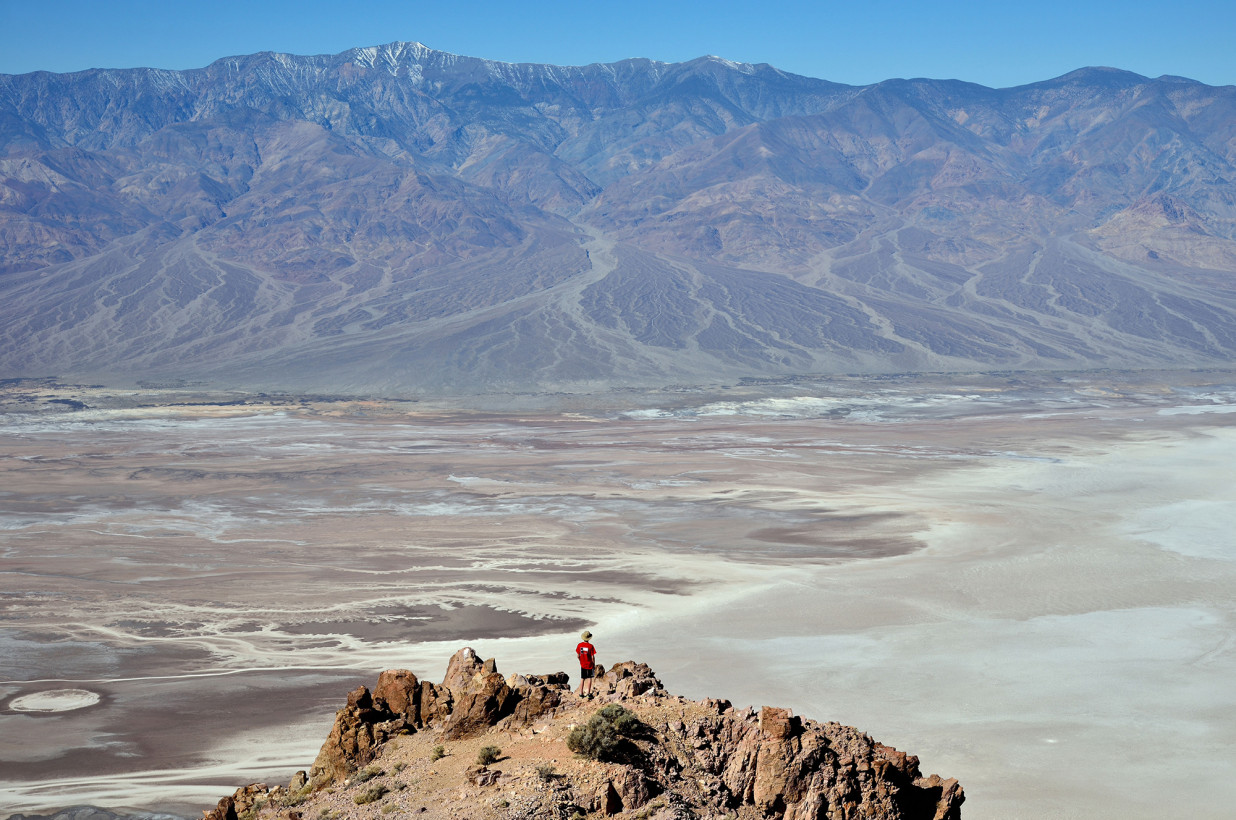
400	219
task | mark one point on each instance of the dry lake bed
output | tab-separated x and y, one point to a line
1030	583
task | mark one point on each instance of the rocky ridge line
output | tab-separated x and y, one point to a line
407	748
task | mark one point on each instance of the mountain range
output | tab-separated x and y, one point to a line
403	220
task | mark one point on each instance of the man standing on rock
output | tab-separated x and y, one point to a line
587	664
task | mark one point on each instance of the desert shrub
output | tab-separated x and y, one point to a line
438	753
367	774
298	798
607	734
653	807
259	803
399	767
546	772
371	795
487	755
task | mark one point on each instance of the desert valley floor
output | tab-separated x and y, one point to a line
1028	583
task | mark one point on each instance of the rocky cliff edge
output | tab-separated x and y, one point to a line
483	746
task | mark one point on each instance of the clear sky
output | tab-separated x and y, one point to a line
990	42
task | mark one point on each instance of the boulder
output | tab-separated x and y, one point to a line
399	692
609	802
802	770
225	810
482	776
356	737
558	680
626	680
240	803
247	796
464	671
435	704
779	723
626	788
632	787
534	702
486	701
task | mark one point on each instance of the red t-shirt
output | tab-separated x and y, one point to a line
586	652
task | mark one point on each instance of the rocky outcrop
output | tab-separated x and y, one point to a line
802	770
625	680
243	803
472	698
481	695
399	692
359	731
968	228
536	697
682	759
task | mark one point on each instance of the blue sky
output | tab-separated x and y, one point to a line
993	43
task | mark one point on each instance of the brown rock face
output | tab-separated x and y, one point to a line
400	692
473	698
560	680
240	803
463	672
802	770
626	680
489	701
356	737
534	700
225	810
482	697
628	790
435	704
779	723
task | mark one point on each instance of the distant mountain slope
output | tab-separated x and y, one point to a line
401	219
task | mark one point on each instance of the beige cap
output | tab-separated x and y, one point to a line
586	635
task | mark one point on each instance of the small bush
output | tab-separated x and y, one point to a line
438	753
487	755
298	798
399	767
367	774
546	772
606	736
389	807
371	795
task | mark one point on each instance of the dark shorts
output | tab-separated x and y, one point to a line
584	674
